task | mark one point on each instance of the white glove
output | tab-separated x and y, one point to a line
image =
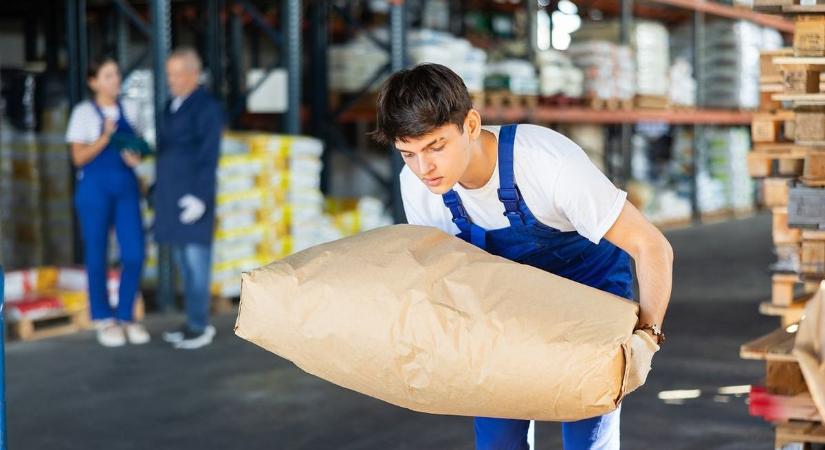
193	209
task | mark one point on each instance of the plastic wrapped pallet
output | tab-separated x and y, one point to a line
651	44
558	75
430	46
723	181
519	76
682	89
647	58
730	63
399	314
609	72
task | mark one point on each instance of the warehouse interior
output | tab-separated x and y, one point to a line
707	113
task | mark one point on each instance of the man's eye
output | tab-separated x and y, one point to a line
438	149
407	155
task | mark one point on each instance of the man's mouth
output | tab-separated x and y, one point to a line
433	181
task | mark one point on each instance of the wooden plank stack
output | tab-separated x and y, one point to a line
788	135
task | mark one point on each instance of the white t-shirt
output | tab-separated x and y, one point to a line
85	125
559	183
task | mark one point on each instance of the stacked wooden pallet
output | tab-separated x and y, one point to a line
788	157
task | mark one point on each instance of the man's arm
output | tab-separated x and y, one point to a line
209	126
653	256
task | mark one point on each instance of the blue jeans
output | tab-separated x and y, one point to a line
598	433
194	262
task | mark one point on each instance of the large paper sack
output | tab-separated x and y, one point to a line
423	320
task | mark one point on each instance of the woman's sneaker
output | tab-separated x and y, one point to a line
110	334
192	340
136	333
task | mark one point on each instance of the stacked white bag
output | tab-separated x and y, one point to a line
558	75
608	69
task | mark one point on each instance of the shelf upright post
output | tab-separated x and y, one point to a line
398	61
697	46
626	129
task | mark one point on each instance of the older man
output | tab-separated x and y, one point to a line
188	149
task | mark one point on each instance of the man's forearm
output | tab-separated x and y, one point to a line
654	270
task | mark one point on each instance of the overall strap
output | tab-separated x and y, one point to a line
99	114
470	232
508	192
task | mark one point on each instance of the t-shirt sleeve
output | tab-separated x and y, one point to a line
84	125
412	207
591	202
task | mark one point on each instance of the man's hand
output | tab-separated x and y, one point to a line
193	209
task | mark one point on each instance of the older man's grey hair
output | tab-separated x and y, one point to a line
189	57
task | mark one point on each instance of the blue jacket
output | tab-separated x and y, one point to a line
187	162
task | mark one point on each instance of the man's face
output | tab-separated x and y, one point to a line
182	79
439	158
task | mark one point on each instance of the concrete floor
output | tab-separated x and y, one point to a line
68	393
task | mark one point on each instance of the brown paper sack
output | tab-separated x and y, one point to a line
423	320
808	349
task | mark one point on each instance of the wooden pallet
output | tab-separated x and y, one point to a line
776	160
501	99
610	104
57	324
776	127
652	102
774	346
803	9
559	100
788	315
799	433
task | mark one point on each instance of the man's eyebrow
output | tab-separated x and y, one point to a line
434	141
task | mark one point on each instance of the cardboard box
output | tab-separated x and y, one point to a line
421	319
809	36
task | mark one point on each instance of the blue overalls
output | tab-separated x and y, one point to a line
107	192
567	254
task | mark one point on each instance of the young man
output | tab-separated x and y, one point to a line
528	194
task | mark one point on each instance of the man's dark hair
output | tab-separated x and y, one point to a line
413	102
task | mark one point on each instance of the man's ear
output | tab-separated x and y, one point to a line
472	124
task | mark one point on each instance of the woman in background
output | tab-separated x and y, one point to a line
107	194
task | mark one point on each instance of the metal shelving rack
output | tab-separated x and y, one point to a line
621	121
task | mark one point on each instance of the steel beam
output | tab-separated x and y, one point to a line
161	41
292	51
398	61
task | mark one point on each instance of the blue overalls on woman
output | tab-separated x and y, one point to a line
107	194
602	266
